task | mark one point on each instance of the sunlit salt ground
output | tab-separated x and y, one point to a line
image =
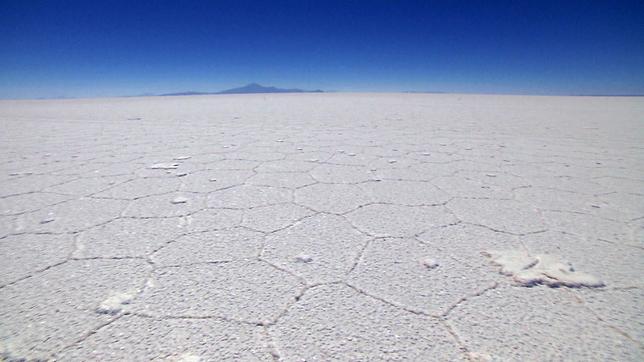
322	227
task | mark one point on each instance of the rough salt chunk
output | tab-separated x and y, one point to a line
511	261
179	200
47	220
114	303
164	166
545	269
303	258
429	263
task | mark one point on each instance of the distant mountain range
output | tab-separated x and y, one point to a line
247	89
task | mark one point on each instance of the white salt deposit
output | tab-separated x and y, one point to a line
303	258
114	303
545	269
429	263
164	166
188	357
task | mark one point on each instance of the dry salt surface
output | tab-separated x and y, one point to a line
322	227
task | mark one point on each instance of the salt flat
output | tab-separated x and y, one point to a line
322	227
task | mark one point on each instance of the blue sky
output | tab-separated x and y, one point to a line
104	48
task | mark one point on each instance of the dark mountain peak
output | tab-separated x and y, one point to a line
247	89
258	88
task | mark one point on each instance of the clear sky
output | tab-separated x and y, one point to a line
101	48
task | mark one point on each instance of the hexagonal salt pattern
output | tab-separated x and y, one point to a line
318	227
210	247
536	314
25	255
320	249
62	301
418	276
332	198
384	220
154	339
243	290
337	322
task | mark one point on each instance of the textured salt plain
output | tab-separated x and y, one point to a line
322	227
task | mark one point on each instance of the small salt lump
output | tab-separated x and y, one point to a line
179	200
429	263
303	258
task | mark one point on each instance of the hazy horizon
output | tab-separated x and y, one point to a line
80	49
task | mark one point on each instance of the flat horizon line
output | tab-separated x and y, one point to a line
198	94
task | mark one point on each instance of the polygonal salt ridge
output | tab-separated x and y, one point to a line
332	198
545	269
501	215
271	218
163	206
128	237
31	183
620	184
245	290
214	180
256	155
149	339
390	220
620	206
465	187
311	156
70	216
321	248
285	166
329	173
409	193
62	302
217	246
281	179
248	196
19	204
232	164
140	187
339	321
553	199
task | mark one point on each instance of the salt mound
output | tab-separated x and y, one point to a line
114	303
529	270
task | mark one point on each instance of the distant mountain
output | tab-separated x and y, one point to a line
258	88
422	92
247	89
186	94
